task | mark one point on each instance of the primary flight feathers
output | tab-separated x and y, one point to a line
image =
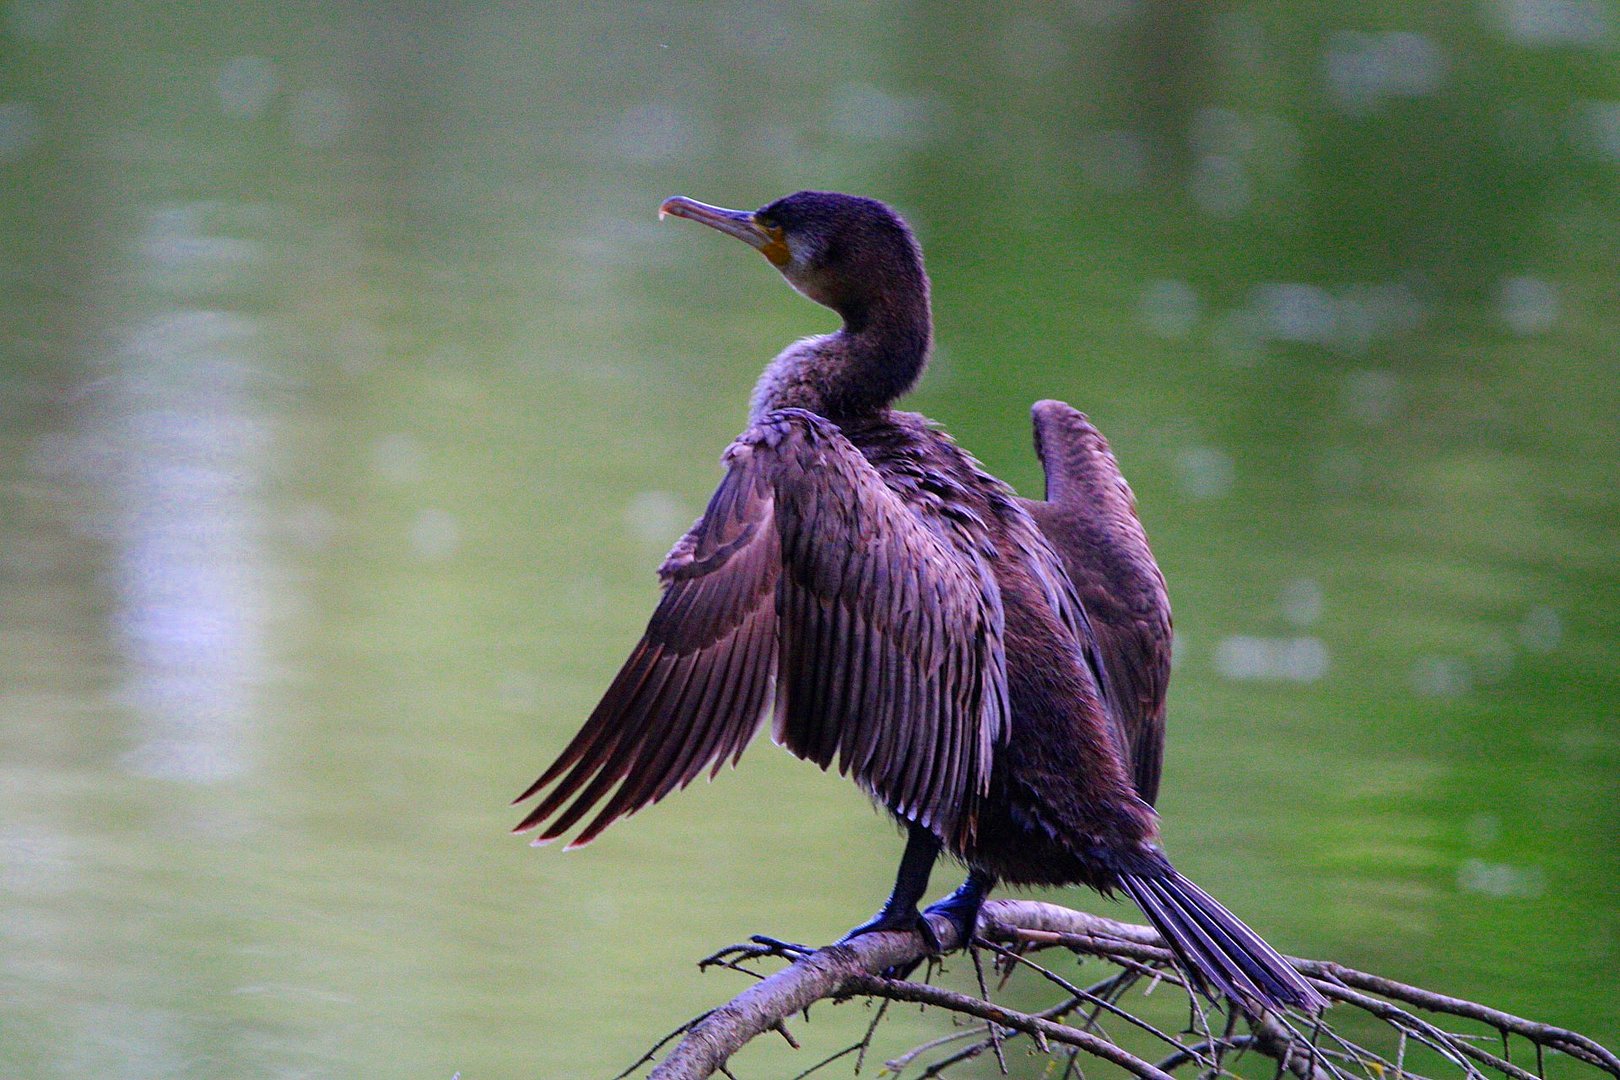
808	586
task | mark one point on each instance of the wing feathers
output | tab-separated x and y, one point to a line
1090	519
870	623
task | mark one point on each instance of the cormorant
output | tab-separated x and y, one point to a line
992	670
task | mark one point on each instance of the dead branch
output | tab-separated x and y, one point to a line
1308	1047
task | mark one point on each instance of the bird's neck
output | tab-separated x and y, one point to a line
858	371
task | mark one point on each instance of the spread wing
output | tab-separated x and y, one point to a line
809	587
1090	518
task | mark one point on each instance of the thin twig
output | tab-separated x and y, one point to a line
845	1052
871	1029
1020	927
1196	1051
984	992
966	1054
995	1014
895	1065
661	1043
1101	1003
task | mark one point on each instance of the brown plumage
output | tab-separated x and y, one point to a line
992	670
1090	517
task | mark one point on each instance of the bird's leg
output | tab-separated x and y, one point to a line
962	906
900	910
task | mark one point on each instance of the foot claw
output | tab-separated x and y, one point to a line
911	921
786	948
755	948
926	929
962	909
903	921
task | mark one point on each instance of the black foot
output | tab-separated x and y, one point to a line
755	948
906	920
962	907
900	910
786	948
911	921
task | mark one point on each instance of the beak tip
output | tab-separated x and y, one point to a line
740	224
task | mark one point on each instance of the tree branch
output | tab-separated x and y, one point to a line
1307	1047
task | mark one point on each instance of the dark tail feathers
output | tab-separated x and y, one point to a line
1215	946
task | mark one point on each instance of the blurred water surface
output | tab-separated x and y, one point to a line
350	392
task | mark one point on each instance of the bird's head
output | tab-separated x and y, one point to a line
854	255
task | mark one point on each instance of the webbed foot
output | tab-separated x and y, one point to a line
755	948
908	920
962	906
785	948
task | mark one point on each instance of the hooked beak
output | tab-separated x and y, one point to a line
767	240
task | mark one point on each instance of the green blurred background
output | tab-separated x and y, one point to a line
350	392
